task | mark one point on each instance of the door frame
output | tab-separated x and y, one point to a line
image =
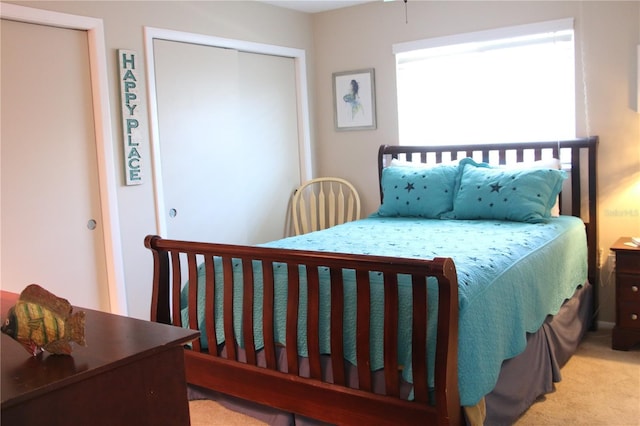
302	100
104	139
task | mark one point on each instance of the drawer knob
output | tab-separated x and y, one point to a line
634	317
634	288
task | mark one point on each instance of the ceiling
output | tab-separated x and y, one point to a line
313	6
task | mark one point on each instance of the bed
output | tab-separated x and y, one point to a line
402	317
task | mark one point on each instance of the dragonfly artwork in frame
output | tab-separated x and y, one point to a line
354	100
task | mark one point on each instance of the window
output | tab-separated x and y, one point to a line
505	85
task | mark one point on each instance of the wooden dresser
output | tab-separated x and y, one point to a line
130	373
626	332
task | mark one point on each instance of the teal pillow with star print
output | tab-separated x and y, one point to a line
521	195
425	192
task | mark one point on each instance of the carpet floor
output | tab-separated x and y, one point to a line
599	386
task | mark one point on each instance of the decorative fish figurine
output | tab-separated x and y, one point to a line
42	321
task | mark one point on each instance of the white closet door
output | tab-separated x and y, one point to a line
269	134
49	178
228	142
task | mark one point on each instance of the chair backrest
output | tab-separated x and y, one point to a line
324	202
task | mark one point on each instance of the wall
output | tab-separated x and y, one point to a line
607	34
123	26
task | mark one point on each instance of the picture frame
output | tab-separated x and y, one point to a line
354	100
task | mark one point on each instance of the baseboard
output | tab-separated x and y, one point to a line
605	325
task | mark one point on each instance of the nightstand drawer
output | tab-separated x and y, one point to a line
629	315
628	288
628	262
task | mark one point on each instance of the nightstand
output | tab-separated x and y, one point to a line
626	332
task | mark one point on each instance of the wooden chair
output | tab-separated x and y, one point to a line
322	203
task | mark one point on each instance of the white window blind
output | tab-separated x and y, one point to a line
504	85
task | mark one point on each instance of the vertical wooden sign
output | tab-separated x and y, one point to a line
131	114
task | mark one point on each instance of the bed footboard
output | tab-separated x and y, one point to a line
242	373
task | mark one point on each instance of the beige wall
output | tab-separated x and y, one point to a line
607	34
361	37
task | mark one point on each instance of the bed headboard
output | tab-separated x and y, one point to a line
578	158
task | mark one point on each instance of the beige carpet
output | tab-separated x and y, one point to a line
599	386
204	413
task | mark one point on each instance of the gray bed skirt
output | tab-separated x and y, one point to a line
522	379
533	373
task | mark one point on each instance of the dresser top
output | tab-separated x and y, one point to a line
624	243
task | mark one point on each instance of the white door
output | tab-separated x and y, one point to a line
52	230
228	142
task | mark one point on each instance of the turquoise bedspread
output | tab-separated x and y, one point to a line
511	276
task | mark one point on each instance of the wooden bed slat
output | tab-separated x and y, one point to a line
293	296
537	154
313	322
247	311
502	158
176	287
160	293
268	315
337	326
576	202
227	268
419	339
392	386
192	268
210	313
363	329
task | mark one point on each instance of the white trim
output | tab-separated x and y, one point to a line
298	55
486	35
104	141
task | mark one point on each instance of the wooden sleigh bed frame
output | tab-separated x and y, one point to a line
254	375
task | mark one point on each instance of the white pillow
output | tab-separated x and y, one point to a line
403	163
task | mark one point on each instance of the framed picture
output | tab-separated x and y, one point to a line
354	100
